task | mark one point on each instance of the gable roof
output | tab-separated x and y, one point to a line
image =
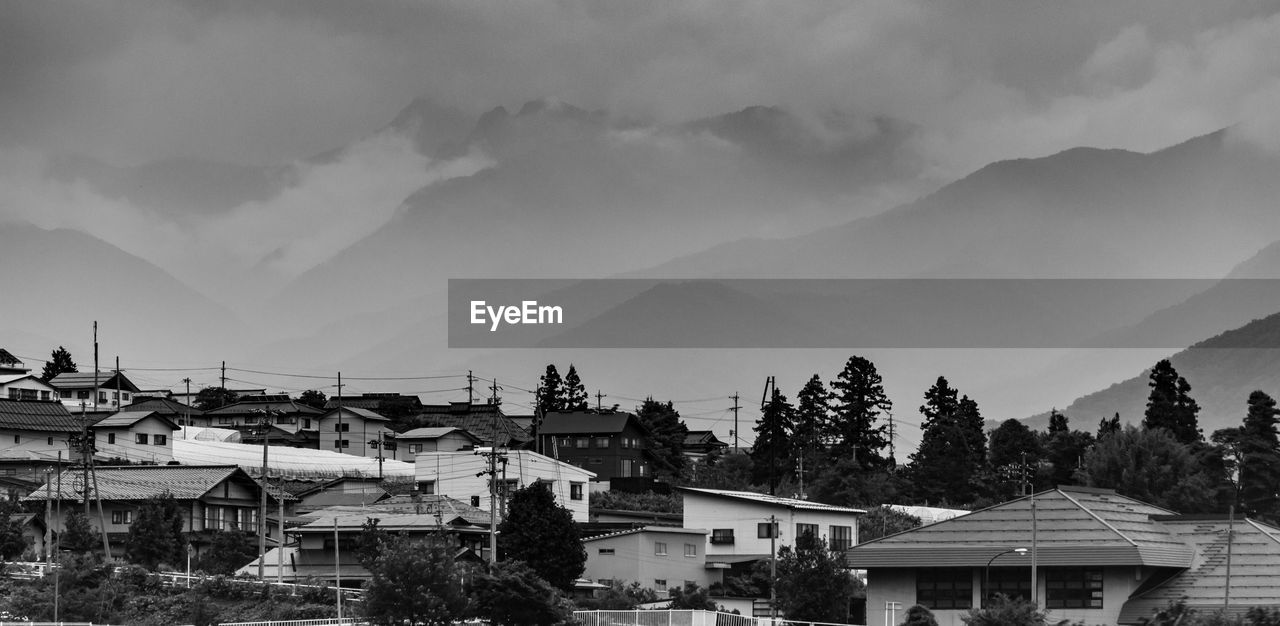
768	500
1074	526
143	482
702	438
167	406
1255	578
435	432
31	415
125	419
7	358
84	380
371	401
584	423
246	407
364	414
12	378
485	421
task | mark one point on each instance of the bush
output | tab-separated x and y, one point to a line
1004	611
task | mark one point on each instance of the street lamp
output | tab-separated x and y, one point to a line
986	572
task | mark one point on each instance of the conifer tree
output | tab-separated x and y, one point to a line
859	401
1170	405
1259	450
573	394
59	362
953	448
1108	427
812	415
1057	422
771	452
549	391
666	435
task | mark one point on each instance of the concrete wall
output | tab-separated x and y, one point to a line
454	474
714	512
635	559
360	433
127	447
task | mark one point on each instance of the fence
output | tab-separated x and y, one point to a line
346	621
682	618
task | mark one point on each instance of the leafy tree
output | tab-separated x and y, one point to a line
1152	466
417	582
1064	448
627	501
542	533
12	541
211	398
619	597
919	615
229	551
313	398
882	521
573	394
371	542
59	362
771	452
514	595
812	417
813	583
1108	427
953	448
78	535
1057	422
665	438
1014	443
731	470
1003	611
859	400
155	537
844	481
1170	405
691	597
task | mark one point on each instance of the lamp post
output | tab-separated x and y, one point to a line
986	572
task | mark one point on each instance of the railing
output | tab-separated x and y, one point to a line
346	621
659	617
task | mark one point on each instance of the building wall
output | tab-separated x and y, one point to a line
712	512
608	459
635	559
106	398
454	475
360	432
451	442
125	443
28	389
23	443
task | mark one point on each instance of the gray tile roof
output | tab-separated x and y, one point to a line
41	416
125	419
167	406
143	482
582	423
81	380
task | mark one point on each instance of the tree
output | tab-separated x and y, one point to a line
155	537
415	581
549	392
771	452
1170	405
1152	466
1057	422
813	583
514	595
371	542
77	535
574	395
812	416
882	521
619	597
1108	427
953	448
230	551
312	398
1015	454
1003	611
731	470
1259	459
211	398
542	533
665	438
1064	448
691	597
59	362
859	400
919	615
12	541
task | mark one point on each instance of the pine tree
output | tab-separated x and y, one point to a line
665	440
1170	405
812	414
1259	450
1064	448
859	401
1108	427
953	448
1057	422
771	452
574	395
549	391
59	362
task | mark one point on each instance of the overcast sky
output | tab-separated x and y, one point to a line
262	82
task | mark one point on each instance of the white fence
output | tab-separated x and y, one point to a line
346	621
681	618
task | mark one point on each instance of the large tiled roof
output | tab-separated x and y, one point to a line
31	415
143	482
372	400
247	407
583	423
125	419
79	380
766	499
487	424
432	432
167	406
1073	526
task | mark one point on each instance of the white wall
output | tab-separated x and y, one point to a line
454	474
126	445
713	512
634	558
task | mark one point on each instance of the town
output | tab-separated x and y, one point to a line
382	504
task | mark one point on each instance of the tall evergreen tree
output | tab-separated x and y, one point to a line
771	452
1259	449
1108	427
812	415
953	448
573	394
59	362
1064	449
666	433
1057	422
1170	405
1153	466
859	401
550	391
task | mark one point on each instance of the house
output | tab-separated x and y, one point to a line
485	421
355	431
213	498
433	439
341	491
464	476
747	526
1100	558
10	364
700	443
609	444
33	431
26	387
177	412
292	420
189	397
658	557
376	402
98	391
138	436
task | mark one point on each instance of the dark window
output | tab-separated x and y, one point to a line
415	448
475	500
660	548
17	438
606	551
945	588
763	530
806	529
1073	588
841	538
341	443
111	437
160	440
1014	582
602	442
575	491
51	441
722	536
342	428
659	584
581	442
427	487
140	438
306	423
121	517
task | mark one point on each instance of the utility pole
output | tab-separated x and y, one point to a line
736	444
224	376
599	400
494	399
773	565
537	420
892	434
95	388
337	442
119	398
264	429
186	413
470	388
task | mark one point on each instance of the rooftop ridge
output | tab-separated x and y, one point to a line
1098	517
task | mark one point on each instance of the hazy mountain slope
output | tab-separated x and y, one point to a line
62	280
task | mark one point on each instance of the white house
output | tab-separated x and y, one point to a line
136	435
101	391
26	387
35	430
740	522
463	475
432	439
658	557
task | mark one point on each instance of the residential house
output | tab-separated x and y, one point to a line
485	421
1100	558
433	439
464	476
747	526
177	412
609	444
26	387
137	436
189	397
10	364
32	435
341	491
103	391
377	402
360	432
213	498
292	422
699	443
661	558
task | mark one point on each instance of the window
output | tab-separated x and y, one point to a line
581	442
944	587
806	529
605	551
341	443
415	448
628	467
344	427
224	420
102	396
83	394
111	437
115	395
690	549
213	517
575	491
13	393
1073	588
140	438
564	442
17	438
427	487
51	441
660	548
160	440
659	584
596	461
122	517
306	423
841	538
763	530
722	536
44	395
1014	582
475	500
125	396
602	442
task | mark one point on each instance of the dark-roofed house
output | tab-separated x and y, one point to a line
352	431
291	419
1101	558
377	402
700	443
433	439
101	391
485	421
138	436
26	387
34	431
213	498
10	364
181	414
609	444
